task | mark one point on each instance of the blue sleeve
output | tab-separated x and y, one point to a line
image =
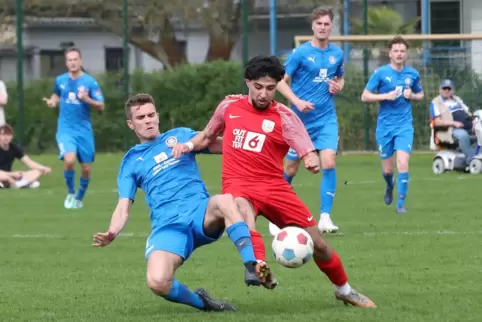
373	82
340	71
417	85
126	184
95	91
57	87
292	63
434	112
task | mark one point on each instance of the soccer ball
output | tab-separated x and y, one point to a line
292	247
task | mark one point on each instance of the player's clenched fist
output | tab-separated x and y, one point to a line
311	162
103	239
407	93
179	149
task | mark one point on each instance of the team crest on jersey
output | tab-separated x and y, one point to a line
267	126
408	81
332	60
171	141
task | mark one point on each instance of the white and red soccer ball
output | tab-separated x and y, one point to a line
292	247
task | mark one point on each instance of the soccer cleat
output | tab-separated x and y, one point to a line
401	210
77	204
273	229
213	305
326	224
356	299
34	185
258	273
69	201
388	196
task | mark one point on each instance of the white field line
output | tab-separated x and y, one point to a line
362	234
299	185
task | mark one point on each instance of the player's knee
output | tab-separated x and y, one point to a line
86	170
402	163
291	168
328	159
158	285
69	159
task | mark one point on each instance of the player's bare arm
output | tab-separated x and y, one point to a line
31	164
295	134
117	223
335	86
369	97
284	88
96	105
217	146
413	96
52	101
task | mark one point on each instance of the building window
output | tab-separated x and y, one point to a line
114	59
445	19
52	63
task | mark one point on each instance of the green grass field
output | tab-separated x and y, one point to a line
422	266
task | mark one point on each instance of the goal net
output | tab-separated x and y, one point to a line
436	57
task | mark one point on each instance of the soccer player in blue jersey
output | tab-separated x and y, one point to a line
183	215
315	70
395	85
77	93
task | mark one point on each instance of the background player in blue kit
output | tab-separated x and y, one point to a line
396	84
77	92
316	73
183	215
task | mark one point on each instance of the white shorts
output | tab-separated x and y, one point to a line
2	116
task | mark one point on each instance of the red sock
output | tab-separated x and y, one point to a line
258	245
333	268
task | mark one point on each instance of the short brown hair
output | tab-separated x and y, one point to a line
137	100
321	12
72	50
6	129
396	41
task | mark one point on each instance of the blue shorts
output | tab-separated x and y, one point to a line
182	238
324	137
83	147
389	141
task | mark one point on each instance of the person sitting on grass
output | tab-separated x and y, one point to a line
10	151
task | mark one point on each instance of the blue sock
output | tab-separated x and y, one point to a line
287	177
69	176
402	186
327	190
84	183
239	235
180	293
388	179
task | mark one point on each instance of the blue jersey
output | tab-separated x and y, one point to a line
310	68
396	113
74	114
172	186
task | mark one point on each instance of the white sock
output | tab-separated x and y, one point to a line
344	289
21	183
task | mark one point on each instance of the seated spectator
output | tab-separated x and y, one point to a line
449	110
10	151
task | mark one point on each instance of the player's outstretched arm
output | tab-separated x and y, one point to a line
217	146
52	101
284	88
117	223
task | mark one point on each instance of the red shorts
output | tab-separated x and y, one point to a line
276	201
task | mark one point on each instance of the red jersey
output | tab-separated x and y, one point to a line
255	142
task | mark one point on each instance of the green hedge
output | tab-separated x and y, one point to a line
188	95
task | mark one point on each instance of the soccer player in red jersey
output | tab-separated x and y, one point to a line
258	132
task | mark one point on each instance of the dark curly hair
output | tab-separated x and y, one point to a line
261	66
